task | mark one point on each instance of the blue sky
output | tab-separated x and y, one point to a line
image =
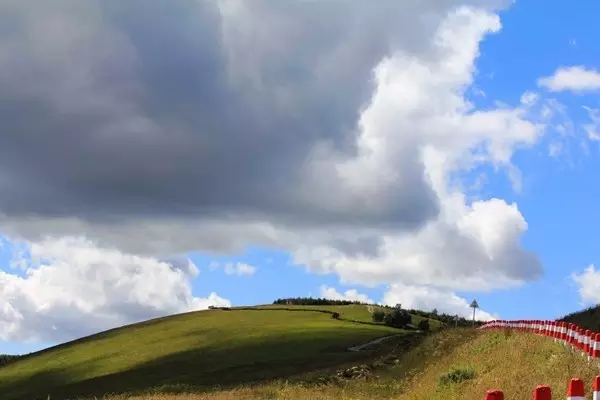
237	238
559	193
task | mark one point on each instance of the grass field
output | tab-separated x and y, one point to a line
195	350
392	382
515	363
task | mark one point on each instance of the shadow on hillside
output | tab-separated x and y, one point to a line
197	370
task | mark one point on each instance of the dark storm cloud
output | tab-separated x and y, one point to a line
194	108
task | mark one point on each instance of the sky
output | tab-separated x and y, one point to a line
161	157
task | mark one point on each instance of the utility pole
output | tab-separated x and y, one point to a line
474	306
456	321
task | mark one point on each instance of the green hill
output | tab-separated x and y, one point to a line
197	351
454	364
291	352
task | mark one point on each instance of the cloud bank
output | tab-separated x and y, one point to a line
332	130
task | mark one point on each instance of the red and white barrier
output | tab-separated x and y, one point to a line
542	393
585	341
494	395
576	390
571	335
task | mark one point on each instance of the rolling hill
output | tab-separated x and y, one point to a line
454	364
290	352
197	351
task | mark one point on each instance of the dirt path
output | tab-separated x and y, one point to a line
372	342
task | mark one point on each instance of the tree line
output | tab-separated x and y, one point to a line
309	301
587	319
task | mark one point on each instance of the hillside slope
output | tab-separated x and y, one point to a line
199	350
513	362
472	362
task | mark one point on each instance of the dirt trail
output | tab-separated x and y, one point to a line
372	342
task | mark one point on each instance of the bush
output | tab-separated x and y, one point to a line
7	359
398	318
457	375
378	316
424	325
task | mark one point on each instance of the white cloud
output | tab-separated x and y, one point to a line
237	268
469	247
529	98
331	293
424	102
589	284
71	288
427	298
592	128
577	79
555	148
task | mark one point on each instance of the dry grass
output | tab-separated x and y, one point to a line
515	363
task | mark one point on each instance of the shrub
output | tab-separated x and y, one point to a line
424	325
378	316
7	359
457	375
398	318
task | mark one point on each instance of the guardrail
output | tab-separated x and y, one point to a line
584	341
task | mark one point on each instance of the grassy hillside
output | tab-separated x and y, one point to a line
198	350
389	380
515	363
452	364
